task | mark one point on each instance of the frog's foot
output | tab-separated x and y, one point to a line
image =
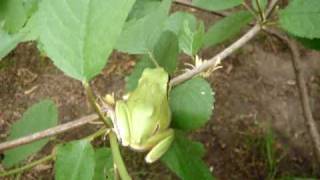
161	147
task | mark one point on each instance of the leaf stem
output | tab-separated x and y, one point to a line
153	59
246	6
261	13
117	158
118	161
92	100
27	166
98	133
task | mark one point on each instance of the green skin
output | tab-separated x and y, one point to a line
143	120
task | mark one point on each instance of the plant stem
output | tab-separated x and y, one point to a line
261	13
153	59
48	132
246	6
98	133
117	158
118	161
49	157
27	166
92	100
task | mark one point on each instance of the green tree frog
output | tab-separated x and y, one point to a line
142	121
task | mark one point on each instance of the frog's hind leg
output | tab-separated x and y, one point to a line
162	142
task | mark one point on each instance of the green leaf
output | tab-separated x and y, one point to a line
140	35
40	116
263	4
27	33
227	28
310	43
184	25
166	51
191	41
142	8
3	8
16	13
9	42
191	104
32	28
31	6
302	18
216	5
75	161
15	16
177	20
103	164
133	78
198	39
184	158
79	35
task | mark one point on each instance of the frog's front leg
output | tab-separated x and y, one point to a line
161	142
121	124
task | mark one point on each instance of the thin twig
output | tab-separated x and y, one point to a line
217	58
92	99
303	92
190	5
48	132
51	156
248	8
225	53
260	11
27	166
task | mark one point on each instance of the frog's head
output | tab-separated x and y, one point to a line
152	75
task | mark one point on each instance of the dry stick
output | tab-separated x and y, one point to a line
183	77
49	157
225	53
217	59
48	132
303	92
28	166
188	4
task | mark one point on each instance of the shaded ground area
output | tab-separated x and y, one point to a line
255	92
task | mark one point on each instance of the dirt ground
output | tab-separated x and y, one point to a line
255	91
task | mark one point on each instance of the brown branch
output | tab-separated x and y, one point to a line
179	79
303	92
187	3
48	132
225	53
217	59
